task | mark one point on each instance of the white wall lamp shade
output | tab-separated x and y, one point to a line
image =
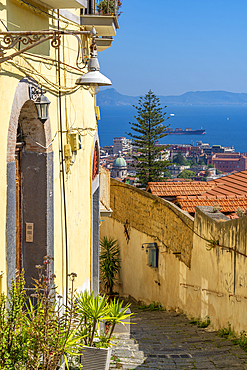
94	77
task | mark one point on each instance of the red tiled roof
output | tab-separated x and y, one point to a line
227	203
235	184
163	189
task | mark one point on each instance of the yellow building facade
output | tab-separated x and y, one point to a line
49	167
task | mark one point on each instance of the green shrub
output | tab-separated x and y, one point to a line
200	323
226	332
36	335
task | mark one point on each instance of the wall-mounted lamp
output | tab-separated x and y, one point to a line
40	100
93	78
42	105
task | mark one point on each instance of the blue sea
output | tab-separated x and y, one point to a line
224	125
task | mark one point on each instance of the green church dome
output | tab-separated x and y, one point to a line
119	162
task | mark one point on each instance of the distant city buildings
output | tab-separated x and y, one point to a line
229	162
206	162
122	144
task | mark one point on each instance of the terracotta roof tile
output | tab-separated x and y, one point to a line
227	203
230	192
231	184
163	189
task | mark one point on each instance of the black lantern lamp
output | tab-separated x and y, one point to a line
40	100
42	105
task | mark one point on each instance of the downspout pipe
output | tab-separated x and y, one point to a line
91	6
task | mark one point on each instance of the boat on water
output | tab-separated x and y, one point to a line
187	131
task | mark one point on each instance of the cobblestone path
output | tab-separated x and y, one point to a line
166	340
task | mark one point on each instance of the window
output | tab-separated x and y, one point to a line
152	255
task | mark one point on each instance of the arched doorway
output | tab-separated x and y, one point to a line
29	188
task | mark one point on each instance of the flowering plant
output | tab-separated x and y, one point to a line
36	331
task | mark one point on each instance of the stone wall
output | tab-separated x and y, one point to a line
190	276
153	216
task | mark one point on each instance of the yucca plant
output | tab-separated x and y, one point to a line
94	310
117	314
91	310
109	262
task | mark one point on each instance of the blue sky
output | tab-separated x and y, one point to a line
175	46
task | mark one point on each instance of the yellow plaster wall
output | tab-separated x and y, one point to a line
80	114
199	282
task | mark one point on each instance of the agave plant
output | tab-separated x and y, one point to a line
109	262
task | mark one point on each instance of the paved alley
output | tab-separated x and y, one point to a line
166	340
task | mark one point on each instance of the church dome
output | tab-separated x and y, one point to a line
119	162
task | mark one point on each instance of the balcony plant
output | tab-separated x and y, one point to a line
108	7
109	262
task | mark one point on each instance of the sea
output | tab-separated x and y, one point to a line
225	125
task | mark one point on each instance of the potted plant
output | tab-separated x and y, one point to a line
109	7
109	263
92	313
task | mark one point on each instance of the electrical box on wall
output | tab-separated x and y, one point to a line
67	151
152	254
97	113
74	142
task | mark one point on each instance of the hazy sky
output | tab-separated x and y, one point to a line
175	46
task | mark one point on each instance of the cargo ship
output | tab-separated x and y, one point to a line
187	131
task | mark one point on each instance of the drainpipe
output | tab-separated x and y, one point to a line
91	6
1	278
63	170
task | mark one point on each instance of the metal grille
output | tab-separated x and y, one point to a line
95	358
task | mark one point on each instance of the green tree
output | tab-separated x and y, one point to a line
148	129
179	159
186	174
167	175
201	162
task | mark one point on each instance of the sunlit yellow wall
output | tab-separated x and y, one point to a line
190	276
80	114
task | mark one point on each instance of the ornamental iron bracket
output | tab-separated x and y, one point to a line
30	39
35	91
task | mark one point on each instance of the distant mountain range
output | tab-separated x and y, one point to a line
112	97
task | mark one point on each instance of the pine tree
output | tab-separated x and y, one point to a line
148	129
